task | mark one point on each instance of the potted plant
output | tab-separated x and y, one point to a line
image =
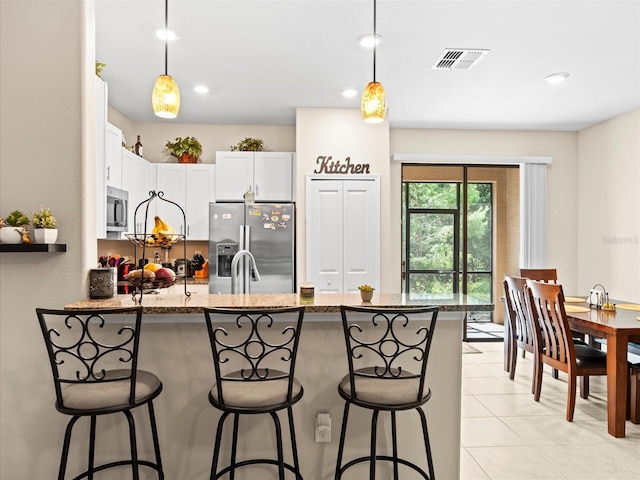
366	292
45	228
249	145
14	223
186	150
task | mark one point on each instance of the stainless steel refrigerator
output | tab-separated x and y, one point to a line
267	230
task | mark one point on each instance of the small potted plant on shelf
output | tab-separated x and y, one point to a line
249	145
44	224
13	226
366	292
186	150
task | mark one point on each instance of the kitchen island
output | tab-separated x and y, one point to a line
175	346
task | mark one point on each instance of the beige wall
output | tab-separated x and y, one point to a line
608	207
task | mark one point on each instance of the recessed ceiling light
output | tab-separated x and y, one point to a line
201	89
366	40
170	36
349	92
557	77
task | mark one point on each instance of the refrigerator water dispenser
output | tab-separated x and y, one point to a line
225	251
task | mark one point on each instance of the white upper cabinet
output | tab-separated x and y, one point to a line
269	175
191	186
137	180
343	233
113	156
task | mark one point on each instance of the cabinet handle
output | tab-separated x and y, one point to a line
188	230
257	193
109	173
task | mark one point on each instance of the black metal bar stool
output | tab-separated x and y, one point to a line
387	352
254	357
95	372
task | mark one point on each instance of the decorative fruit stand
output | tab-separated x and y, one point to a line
163	239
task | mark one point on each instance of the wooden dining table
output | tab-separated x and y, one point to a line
618	327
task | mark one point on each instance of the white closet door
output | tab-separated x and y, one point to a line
324	235
361	223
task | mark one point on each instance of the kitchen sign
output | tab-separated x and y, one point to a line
326	164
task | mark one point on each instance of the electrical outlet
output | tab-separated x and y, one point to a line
323	428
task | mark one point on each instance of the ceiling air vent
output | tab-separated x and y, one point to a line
458	59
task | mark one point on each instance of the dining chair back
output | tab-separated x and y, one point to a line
557	348
254	358
387	353
522	332
546	275
93	355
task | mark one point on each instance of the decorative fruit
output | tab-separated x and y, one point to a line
165	274
154	267
163	234
366	288
137	274
608	306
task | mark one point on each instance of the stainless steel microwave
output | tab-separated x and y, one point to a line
117	209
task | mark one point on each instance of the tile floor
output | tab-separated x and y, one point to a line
506	435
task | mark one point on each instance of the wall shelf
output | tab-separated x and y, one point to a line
34	247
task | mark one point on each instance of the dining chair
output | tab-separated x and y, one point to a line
387	353
521	329
557	347
254	358
94	363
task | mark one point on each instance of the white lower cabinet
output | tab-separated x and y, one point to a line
191	186
343	233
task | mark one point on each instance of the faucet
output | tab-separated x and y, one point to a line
234	268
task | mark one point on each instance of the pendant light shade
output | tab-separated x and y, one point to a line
165	97
374	105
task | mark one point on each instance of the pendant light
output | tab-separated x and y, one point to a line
373	103
166	94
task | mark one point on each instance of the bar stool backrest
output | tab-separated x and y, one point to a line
85	348
389	344
250	345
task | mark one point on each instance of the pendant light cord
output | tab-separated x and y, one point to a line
375	40
166	36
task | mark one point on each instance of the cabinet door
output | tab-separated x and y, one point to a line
273	176
171	180
324	235
361	224
199	191
234	175
113	156
136	179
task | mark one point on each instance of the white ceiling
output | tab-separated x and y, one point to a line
262	59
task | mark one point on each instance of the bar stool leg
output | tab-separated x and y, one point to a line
234	446
134	447
92	447
276	423
216	448
427	445
156	442
65	447
374	428
394	438
343	434
294	446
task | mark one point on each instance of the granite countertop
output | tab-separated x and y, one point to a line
322	303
